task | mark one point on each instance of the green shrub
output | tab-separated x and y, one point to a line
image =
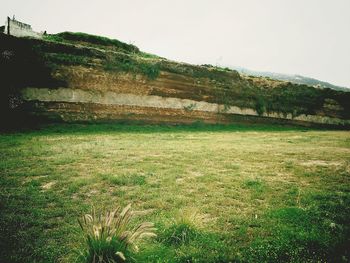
129	64
110	238
260	106
151	70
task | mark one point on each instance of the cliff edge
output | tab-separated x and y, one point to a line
79	77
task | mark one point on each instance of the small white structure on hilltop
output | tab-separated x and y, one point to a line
19	29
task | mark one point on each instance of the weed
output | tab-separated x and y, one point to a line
190	107
110	238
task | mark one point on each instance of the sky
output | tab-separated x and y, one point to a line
306	37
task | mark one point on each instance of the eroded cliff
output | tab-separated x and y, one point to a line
78	77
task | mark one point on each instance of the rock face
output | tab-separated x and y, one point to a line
63	79
77	104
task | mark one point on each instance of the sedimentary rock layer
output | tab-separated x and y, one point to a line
114	105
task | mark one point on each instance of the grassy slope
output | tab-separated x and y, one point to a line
265	194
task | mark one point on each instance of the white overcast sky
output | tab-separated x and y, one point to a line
307	37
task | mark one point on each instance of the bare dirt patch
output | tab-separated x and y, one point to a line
48	185
320	163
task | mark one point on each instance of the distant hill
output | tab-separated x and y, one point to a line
298	79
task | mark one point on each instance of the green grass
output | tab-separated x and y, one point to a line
78	37
261	193
67	59
129	64
128	58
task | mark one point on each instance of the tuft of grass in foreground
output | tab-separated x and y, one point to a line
264	193
110	238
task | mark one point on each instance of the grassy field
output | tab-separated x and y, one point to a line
246	193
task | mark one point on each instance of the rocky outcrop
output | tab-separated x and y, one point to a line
108	100
81	82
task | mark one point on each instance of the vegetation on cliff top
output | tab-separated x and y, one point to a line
92	40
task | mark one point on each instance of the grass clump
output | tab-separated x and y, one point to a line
253	184
180	234
183	230
110	237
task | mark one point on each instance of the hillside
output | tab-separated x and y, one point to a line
293	78
81	77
